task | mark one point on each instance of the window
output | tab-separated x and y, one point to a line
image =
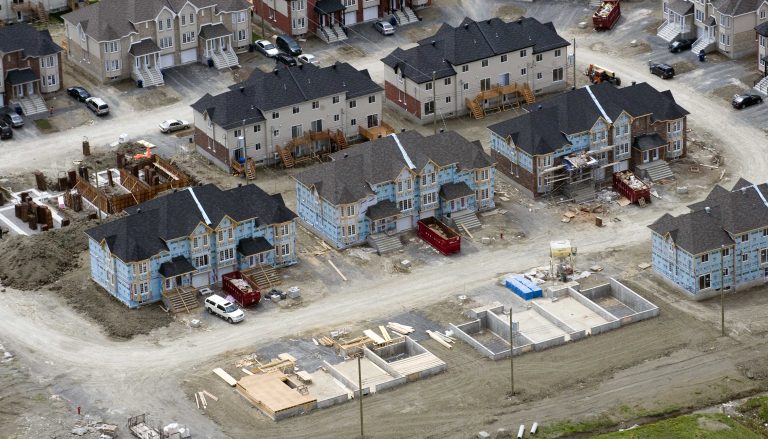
298	5
484	174
188	37
725	20
764	256
272	14
295	110
465	68
765	231
704	258
539	75
466	86
399	186
226	255
745	257
352	103
166	42
160	25
762	14
183	19
241	35
428	86
371	99
297	131
539	57
704	282
111	47
224	234
405	204
558	52
49	61
353	122
429	107
142	267
349	210
335	117
191	18
623	148
676	146
447	99
275	133
523	71
447	81
429	198
428	179
351	230
240	16
285	249
315	105
503	58
674	126
257	128
257	146
112	65
745	237
557	74
699	15
275	115
168	23
51	80
725	39
523	53
485	84
238	132
335	99
726	251
299	22
484	63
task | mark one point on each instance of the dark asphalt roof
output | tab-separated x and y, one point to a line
350	174
681	7
648	141
328	6
452	191
176	267
762	29
382	209
144	47
253	246
736	7
16	77
32	42
213	31
472	41
284	87
144	232
542	129
730	213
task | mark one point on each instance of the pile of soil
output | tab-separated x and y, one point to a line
28	262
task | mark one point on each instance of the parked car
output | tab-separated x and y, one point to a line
288	45
306	58
678	46
78	93
97	105
745	100
663	71
267	48
12	118
171	125
223	308
384	27
288	60
5	130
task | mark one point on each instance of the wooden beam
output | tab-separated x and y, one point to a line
337	270
225	376
373	336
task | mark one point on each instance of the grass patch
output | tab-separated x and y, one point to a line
710	426
567	428
255	36
759	405
45	126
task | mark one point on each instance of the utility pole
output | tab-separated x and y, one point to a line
722	291
574	63
360	386
511	355
434	103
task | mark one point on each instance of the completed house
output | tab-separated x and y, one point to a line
325	18
119	39
291	114
725	26
190	238
30	65
577	140
721	243
386	185
762	54
28	10
475	66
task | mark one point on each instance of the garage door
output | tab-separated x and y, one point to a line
166	61
188	56
350	18
371	13
403	223
200	280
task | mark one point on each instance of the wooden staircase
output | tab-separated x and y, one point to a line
475	107
250	169
286	158
528	95
181	299
264	276
340	140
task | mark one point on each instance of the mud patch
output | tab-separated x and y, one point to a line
683	67
510	12
727	92
153	98
349	51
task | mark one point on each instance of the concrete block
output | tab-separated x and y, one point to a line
483	435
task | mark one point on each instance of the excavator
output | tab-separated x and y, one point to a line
597	74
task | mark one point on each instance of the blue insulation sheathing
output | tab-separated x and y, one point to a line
524	288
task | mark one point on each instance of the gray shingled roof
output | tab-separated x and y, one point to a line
149	225
681	7
144	47
112	19
541	130
736	7
762	29
176	266
471	41
253	246
17	77
648	141
730	213
350	174
215	30
284	87
328	6
452	191
31	41
382	209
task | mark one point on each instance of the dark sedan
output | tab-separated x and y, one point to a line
745	100
286	59
78	93
678	46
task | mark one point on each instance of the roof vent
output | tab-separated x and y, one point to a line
138	210
540	107
276	71
442	130
239	185
346	155
466	25
488	22
744	190
433	42
519	20
242	89
333	67
402	130
634	82
707	209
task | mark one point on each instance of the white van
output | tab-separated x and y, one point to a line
223	308
97	105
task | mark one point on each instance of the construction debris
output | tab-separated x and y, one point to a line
337	270
209	395
643	266
384	333
225	376
440	338
400	329
373	336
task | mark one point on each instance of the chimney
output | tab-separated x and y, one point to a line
239	185
276	71
333	67
540	107
707	209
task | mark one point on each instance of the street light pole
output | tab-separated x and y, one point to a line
360	386
722	292
511	355
434	103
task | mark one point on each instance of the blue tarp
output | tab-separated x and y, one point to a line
523	287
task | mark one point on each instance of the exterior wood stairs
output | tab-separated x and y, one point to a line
528	95
762	86
465	218
475	107
181	299
265	276
384	243
339	139
286	157
655	171
224	59
581	192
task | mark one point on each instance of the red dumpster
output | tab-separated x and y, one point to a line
243	289
606	15
446	240
632	187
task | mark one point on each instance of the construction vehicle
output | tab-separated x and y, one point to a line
597	74
606	15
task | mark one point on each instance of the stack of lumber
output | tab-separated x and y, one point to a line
325	341
442	338
400	329
374	336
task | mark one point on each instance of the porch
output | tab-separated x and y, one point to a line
375	132
310	146
217	41
146	63
330	20
500	97
22	87
678	21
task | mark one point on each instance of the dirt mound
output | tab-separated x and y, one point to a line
27	262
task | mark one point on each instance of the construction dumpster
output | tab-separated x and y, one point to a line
241	288
523	287
628	185
606	15
446	240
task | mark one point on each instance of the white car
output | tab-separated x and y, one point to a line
267	48
308	59
97	105
223	308
171	125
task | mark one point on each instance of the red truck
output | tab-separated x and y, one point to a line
244	290
446	240
632	187
606	15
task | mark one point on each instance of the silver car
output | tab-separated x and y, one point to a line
384	27
171	125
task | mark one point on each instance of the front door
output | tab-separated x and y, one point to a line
224	43
18	91
645	157
712	30
31	88
656	154
373	120
137	62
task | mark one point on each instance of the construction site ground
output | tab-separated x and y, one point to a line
73	345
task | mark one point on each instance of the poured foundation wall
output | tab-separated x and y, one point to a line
642	308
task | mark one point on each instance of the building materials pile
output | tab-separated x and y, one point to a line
523	287
33	214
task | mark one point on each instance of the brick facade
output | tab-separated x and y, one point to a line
218	151
409	103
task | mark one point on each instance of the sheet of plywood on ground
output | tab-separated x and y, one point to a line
574	314
534	326
373	375
225	376
270	393
416	363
